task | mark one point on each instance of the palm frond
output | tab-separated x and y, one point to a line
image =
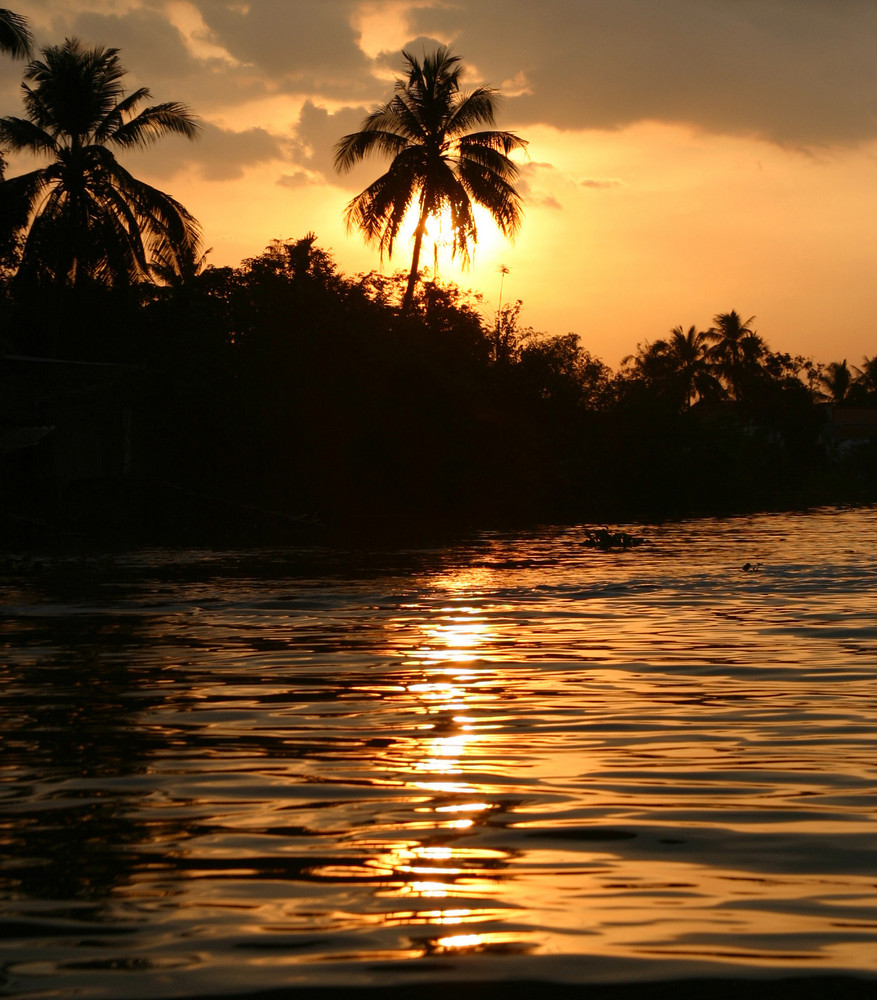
15	36
116	116
153	123
21	135
494	192
380	209
505	143
155	211
439	70
411	118
359	145
20	196
477	108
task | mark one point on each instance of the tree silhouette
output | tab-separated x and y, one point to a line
15	36
736	350
688	353
836	381
865	381
678	368
437	162
179	266
85	216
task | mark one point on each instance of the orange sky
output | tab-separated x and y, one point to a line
686	157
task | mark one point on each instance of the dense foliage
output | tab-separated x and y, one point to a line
281	394
144	391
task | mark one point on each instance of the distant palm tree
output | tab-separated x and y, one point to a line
677	367
736	350
437	161
865	381
179	267
84	215
15	36
688	352
836	381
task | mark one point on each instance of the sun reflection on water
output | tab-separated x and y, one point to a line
595	759
456	692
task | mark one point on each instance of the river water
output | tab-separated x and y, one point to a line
513	757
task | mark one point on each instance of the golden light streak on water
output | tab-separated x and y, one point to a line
526	757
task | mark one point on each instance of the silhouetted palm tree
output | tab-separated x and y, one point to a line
84	214
688	351
15	36
736	349
437	161
865	381
836	381
677	368
179	267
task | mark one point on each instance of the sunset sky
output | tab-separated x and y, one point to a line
686	157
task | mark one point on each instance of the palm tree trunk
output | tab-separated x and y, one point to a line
415	260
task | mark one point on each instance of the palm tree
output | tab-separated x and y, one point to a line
865	381
15	36
836	380
676	368
437	162
180	267
84	215
688	352
736	350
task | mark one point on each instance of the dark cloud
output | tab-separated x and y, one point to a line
151	48
219	154
795	72
306	48
156	56
316	134
223	154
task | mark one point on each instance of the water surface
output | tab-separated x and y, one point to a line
513	757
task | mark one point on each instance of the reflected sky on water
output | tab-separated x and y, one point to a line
513	757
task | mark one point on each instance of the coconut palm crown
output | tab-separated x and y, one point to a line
736	349
438	162
85	216
688	351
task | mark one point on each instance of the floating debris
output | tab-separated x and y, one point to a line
603	538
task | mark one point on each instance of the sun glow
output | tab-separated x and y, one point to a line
436	253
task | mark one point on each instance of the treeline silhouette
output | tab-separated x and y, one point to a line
146	395
283	399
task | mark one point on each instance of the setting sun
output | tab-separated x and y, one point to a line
437	253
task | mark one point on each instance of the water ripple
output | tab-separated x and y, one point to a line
515	757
